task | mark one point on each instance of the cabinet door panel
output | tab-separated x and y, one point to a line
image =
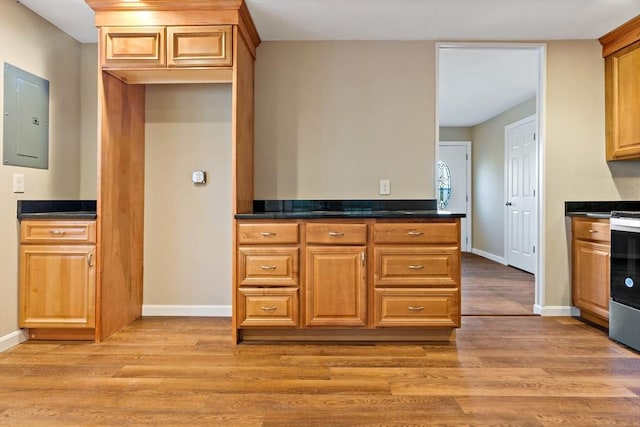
268	266
418	266
57	286
199	46
417	233
124	47
622	83
417	307
335	286
268	307
591	277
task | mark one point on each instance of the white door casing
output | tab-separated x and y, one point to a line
521	182
457	156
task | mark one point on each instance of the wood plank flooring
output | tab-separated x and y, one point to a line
516	371
489	288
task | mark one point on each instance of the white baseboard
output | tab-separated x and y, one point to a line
13	339
492	257
556	310
187	310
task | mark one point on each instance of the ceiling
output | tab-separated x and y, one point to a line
467	76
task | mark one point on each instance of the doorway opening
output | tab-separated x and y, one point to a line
484	89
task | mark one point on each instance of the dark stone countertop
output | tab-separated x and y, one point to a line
56	209
321	209
599	209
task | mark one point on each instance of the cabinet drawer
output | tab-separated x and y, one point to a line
589	229
411	307
199	46
267	234
57	231
268	266
417	233
133	47
407	266
336	234
268	307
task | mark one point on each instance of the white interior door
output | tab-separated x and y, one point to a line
454	184
522	176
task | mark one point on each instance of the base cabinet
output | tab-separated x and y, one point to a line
57	279
347	280
590	268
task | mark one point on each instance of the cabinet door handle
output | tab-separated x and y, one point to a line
415	233
416	267
415	308
268	308
267	233
57	232
268	267
336	233
90	260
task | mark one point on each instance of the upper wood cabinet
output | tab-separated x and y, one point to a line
172	46
621	50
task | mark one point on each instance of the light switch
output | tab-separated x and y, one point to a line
18	183
199	177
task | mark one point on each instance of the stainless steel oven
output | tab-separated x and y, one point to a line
624	307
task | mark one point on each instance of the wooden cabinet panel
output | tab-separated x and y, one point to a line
267	233
57	286
417	233
64	231
417	307
622	85
268	266
336	234
591	277
590	229
199	46
336	292
133	47
421	266
621	50
268	307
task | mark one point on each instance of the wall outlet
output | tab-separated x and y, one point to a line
18	183
385	187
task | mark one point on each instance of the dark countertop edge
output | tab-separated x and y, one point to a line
598	209
56	209
349	215
58	215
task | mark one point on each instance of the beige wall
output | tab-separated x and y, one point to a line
574	154
89	120
455	133
187	243
333	118
488	178
32	44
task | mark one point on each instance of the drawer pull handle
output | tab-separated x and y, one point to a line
336	233
415	308
267	234
415	233
416	267
268	267
57	232
593	231
269	308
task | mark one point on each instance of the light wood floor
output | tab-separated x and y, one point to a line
516	371
489	288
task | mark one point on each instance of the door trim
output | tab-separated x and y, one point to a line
541	49
467	145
